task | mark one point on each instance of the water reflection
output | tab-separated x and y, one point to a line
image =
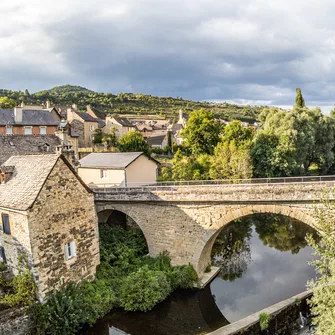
263	260
269	263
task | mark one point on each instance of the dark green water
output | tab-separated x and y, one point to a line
263	260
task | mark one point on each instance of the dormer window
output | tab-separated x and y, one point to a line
9	130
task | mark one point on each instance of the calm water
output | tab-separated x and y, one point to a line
263	260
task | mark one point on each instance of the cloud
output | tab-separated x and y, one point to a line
200	49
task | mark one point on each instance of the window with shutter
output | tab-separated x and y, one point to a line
70	250
5	223
2	255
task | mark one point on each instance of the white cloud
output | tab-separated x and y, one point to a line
202	49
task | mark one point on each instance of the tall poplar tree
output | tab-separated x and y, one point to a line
299	99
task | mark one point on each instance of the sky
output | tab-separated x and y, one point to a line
246	52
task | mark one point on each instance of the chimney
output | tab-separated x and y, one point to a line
18	114
6	173
180	115
75	107
48	104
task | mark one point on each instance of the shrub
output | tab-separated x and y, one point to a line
23	289
3	267
264	320
143	289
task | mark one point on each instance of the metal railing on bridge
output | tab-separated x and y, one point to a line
196	183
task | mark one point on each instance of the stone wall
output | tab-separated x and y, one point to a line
63	212
17	243
15	321
188	230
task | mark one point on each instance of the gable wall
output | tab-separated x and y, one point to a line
142	170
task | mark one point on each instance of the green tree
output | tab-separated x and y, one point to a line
133	141
323	299
201	133
7	103
299	99
182	167
231	159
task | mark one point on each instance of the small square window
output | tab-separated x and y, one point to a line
70	250
5	223
103	174
91	127
28	130
9	130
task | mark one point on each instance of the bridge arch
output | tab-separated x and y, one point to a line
202	255
105	210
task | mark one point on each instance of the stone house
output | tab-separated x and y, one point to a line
121	124
19	121
47	214
119	169
85	126
160	141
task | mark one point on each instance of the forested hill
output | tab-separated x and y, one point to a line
129	103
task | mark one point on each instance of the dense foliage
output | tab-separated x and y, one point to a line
129	103
125	278
323	299
21	290
133	141
286	143
7	103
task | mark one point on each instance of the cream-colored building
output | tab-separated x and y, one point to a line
118	169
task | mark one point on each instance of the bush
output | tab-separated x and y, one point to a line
264	320
22	287
143	289
3	267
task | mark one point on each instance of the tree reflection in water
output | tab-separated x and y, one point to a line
232	251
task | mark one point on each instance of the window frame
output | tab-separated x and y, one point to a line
43	127
3	254
31	130
70	250
11	130
103	173
5	224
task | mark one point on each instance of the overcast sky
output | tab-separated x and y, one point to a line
255	51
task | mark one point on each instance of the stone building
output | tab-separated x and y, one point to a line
48	215
121	124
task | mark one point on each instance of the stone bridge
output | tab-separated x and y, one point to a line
185	220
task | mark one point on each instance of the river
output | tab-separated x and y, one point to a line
263	260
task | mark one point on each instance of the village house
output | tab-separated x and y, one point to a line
122	169
160	141
48	216
121	124
19	121
84	125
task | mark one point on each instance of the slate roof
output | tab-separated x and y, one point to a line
155	140
24	144
123	121
30	117
86	117
109	160
30	173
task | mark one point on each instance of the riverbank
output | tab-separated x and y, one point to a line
281	316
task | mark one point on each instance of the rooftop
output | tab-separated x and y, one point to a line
23	144
30	117
30	173
86	117
111	160
123	121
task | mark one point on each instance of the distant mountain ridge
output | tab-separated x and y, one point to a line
130	103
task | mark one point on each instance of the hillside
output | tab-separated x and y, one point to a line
130	103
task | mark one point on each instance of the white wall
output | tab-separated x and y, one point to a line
142	171
91	175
